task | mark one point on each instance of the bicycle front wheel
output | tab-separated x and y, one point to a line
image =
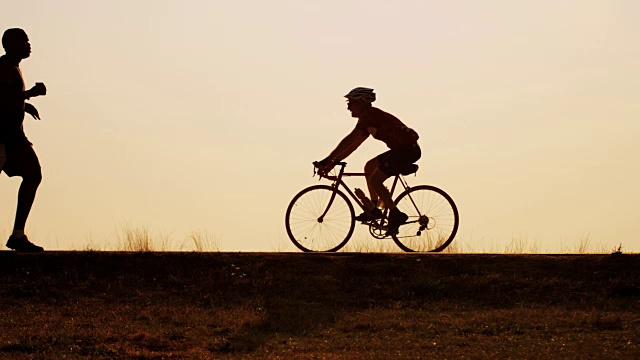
433	219
309	230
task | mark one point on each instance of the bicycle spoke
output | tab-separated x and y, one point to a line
310	232
432	209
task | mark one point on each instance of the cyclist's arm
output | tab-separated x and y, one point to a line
349	144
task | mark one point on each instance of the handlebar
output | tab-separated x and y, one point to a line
341	163
322	173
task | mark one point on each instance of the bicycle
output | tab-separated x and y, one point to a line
321	218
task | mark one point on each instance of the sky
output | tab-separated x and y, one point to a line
205	116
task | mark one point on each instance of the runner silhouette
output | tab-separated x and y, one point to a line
17	157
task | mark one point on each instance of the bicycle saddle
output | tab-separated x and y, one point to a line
413	168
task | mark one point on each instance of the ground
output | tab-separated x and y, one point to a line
344	306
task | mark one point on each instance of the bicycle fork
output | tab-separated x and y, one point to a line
333	196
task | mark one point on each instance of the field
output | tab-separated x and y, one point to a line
344	306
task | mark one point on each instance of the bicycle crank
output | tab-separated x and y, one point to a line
377	231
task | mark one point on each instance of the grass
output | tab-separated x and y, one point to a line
584	245
526	245
200	241
138	305
141	239
137	239
617	251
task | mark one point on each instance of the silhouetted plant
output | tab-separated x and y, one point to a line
617	251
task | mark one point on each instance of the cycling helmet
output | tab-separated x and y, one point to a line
361	93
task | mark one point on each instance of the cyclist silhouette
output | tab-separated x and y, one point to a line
403	151
17	157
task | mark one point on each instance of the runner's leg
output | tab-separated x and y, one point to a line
26	196
23	161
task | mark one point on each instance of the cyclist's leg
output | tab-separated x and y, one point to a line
392	163
369	168
376	182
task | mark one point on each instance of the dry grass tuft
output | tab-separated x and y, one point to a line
617	251
140	239
135	239
584	244
517	245
200	241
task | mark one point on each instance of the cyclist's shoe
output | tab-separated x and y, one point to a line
378	203
369	215
22	244
396	219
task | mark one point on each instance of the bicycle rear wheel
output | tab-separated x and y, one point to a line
308	230
433	219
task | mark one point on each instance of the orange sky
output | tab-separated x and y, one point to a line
183	116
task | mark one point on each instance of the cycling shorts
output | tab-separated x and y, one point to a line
398	160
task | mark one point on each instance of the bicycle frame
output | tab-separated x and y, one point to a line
337	182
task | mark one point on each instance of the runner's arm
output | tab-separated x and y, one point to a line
11	99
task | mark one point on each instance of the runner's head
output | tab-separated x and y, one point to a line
359	100
16	43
